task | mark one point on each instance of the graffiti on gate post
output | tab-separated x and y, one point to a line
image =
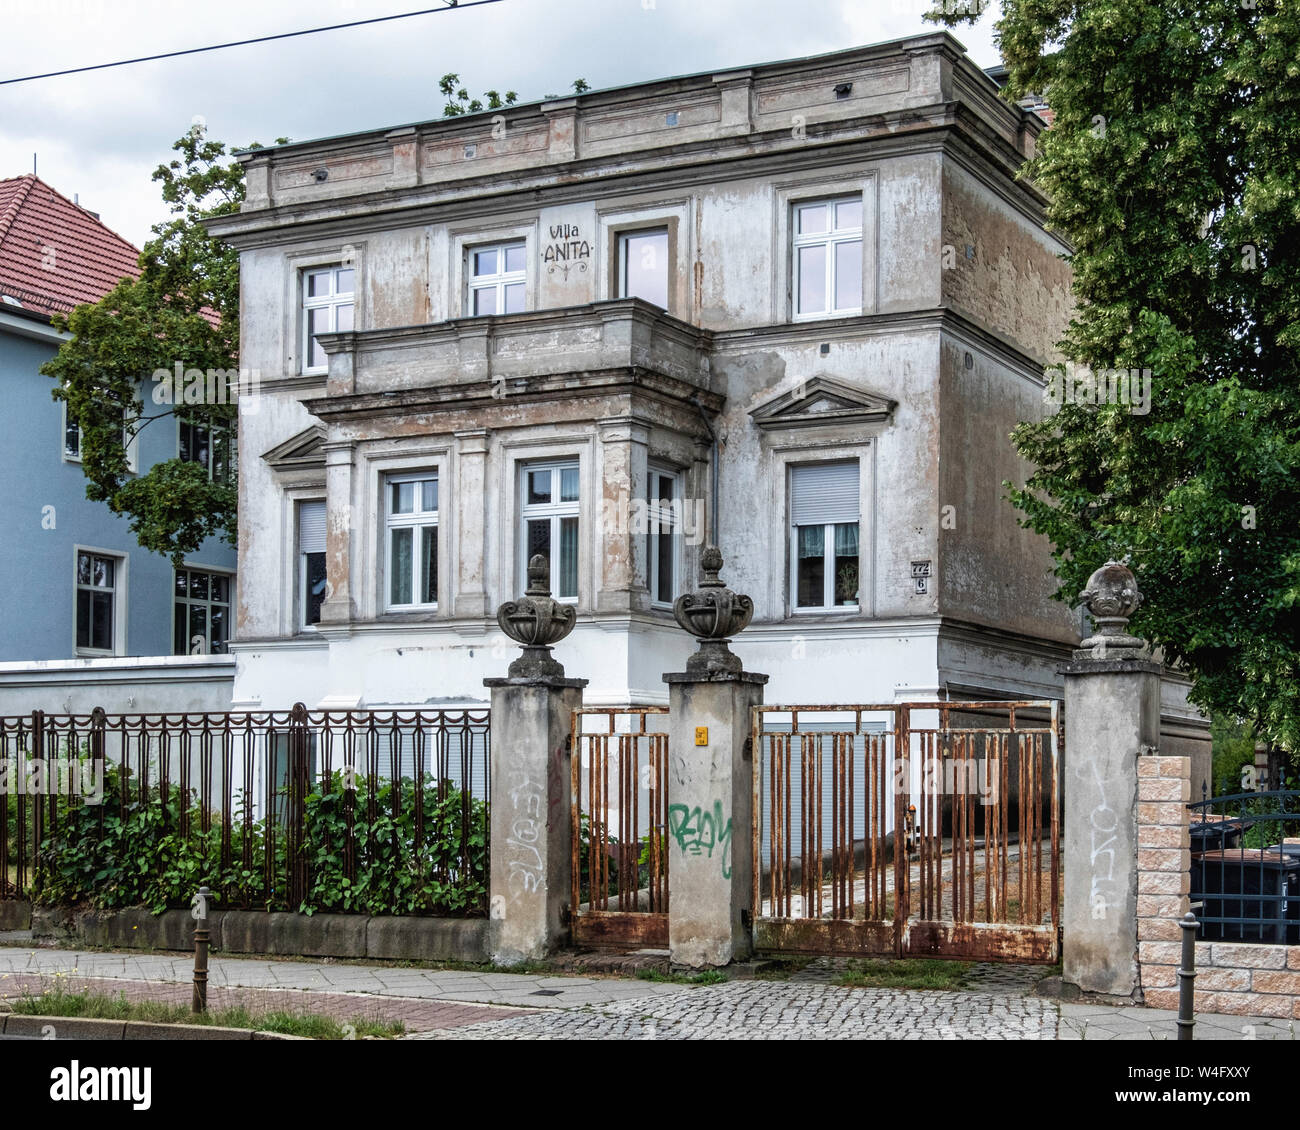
525	858
699	831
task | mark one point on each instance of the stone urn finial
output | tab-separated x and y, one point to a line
1111	597
536	621
713	614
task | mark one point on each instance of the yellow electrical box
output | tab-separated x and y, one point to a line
701	735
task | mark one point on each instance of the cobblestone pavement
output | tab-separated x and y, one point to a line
785	1010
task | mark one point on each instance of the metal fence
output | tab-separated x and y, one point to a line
370	811
620	825
1245	871
921	828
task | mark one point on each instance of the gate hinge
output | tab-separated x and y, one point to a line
747	750
746	918
566	914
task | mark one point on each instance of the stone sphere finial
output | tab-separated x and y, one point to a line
536	621
1111	597
713	614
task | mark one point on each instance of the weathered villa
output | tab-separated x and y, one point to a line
794	309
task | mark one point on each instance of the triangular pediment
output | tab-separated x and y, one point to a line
303	450
823	401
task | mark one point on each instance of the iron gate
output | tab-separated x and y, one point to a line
912	829
620	825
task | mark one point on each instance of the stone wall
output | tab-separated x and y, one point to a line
1231	977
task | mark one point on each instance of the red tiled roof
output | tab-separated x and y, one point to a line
55	255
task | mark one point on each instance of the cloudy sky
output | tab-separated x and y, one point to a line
101	134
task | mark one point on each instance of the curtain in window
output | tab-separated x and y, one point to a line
812	541
846	540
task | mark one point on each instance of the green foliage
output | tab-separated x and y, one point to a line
1233	745
114	856
184	308
60	1001
1172	169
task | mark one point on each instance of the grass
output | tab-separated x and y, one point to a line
102	1006
708	977
903	973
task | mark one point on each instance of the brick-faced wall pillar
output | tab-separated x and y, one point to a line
1164	873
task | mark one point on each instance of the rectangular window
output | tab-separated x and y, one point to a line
662	536
311	561
643	265
549	513
201	612
209	444
824	517
328	303
828	257
496	279
411	521
99	580
72	439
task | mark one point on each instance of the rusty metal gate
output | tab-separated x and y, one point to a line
913	829
620	824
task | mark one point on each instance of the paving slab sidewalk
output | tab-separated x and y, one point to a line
468	1004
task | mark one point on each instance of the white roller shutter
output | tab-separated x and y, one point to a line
824	493
311	527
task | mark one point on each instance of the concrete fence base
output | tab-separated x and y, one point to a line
396	938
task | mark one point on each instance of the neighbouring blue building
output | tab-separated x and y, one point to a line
74	582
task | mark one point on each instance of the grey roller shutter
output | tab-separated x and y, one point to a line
824	493
311	527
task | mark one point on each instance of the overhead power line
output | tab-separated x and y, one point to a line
450	6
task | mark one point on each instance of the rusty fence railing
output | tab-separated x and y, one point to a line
908	828
620	820
364	811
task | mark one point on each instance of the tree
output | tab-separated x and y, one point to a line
182	311
1173	169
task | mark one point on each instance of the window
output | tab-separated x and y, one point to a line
72	439
643	265
99	584
824	515
327	307
412	523
828	257
201	612
208	443
550	523
664	497
311	560
496	279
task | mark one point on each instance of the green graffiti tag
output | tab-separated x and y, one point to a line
699	832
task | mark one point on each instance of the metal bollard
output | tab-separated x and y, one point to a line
1187	978
199	912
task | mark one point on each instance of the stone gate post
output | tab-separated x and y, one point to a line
530	803
1112	717
710	789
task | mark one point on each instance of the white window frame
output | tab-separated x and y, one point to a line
130	443
119	592
830	240
187	600
300	614
496	282
828	549
657	515
555	511
419	519
332	302
632	233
